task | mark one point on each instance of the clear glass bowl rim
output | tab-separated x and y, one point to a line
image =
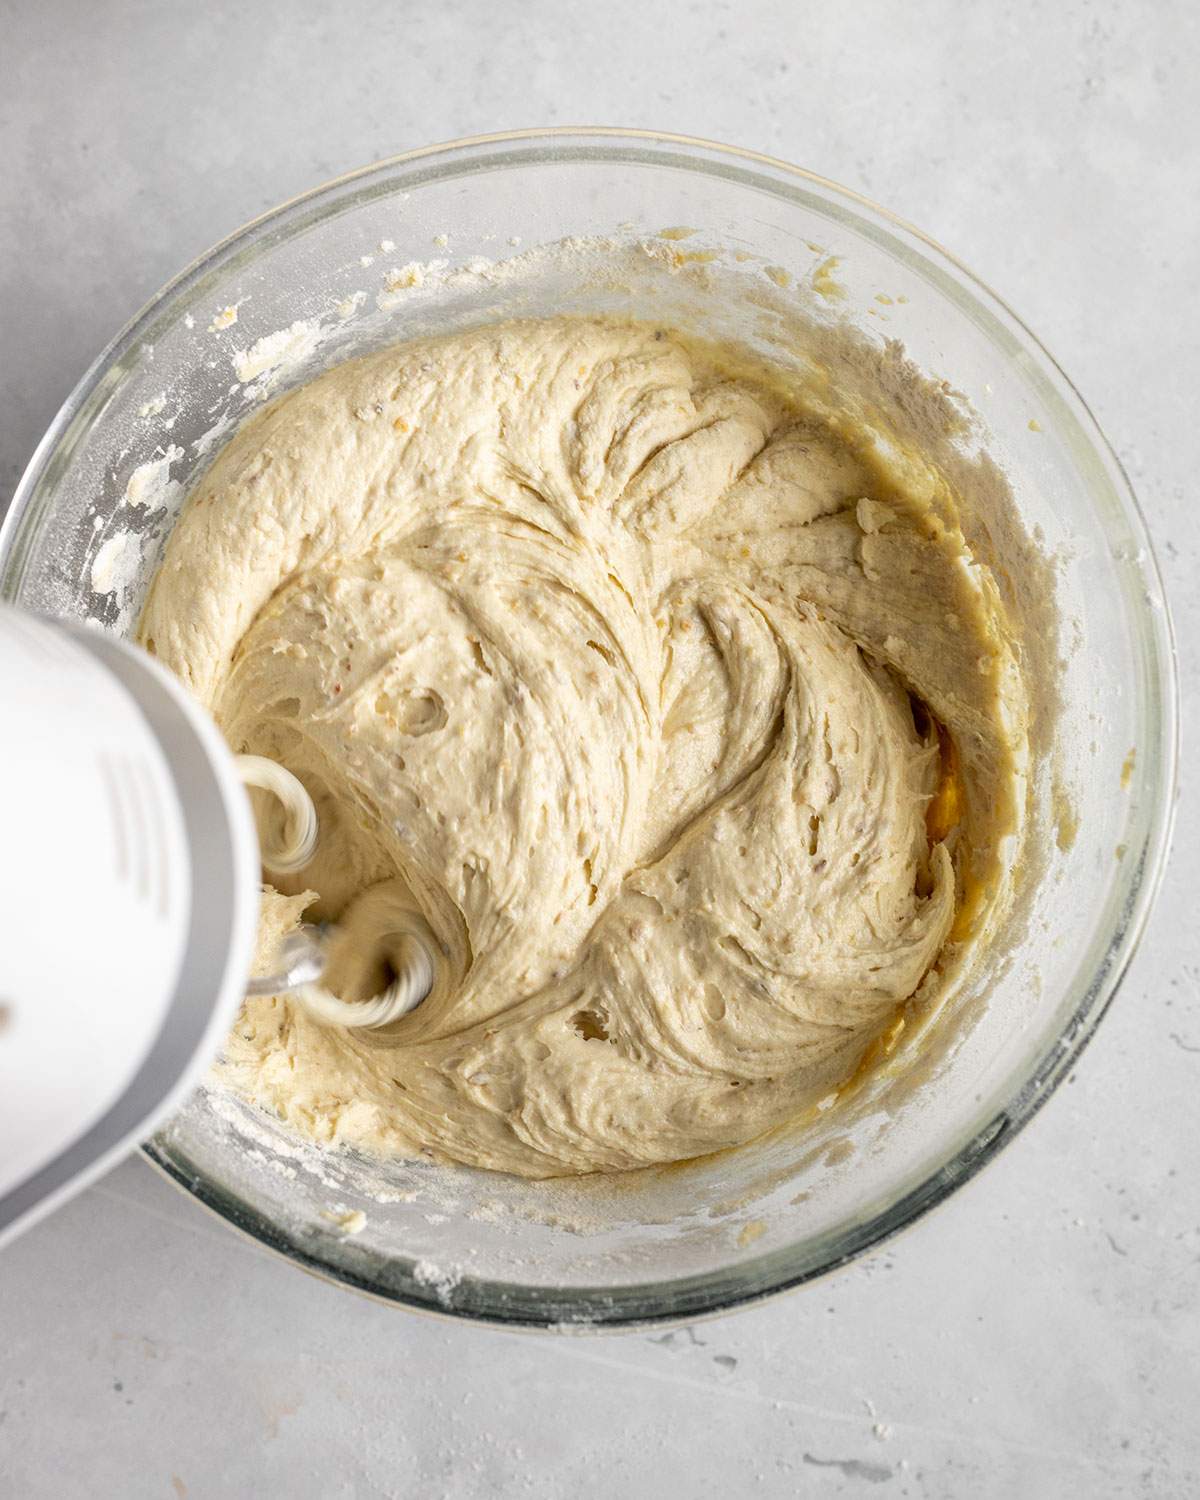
753	1280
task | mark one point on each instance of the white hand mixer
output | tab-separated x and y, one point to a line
129	886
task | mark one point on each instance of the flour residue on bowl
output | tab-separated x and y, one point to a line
150	485
108	572
276	353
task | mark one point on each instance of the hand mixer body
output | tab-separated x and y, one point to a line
129	891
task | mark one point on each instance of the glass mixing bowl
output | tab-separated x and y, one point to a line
346	268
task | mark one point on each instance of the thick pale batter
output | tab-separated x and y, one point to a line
685	719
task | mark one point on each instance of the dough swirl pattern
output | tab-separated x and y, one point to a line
625	665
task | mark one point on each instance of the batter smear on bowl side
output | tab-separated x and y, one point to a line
667	692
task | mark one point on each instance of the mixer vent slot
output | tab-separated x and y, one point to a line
139	842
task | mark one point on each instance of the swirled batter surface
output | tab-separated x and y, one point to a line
682	713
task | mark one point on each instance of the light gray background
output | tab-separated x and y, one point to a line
1040	1335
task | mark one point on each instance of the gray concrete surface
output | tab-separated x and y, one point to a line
1037	1337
